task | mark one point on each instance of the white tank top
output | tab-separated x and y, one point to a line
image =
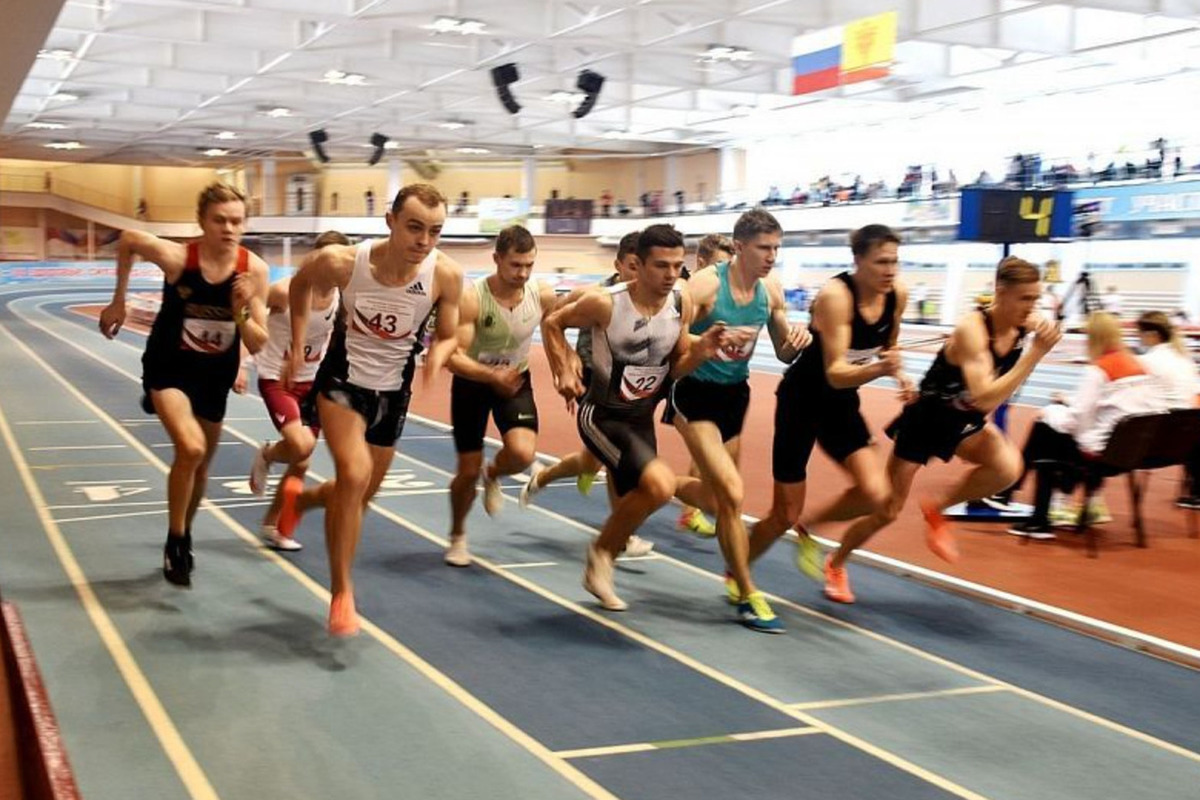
383	322
279	338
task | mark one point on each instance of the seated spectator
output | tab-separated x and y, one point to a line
1167	359
1071	431
1110	301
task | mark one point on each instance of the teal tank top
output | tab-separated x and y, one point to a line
732	364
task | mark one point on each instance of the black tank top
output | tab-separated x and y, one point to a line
194	332
944	381
866	340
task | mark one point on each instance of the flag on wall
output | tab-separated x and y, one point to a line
861	50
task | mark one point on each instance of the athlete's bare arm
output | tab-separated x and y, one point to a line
690	350
170	257
592	309
702	288
321	271
448	290
833	315
968	348
787	337
250	303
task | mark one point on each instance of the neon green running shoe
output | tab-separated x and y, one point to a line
697	523
584	481
733	595
808	556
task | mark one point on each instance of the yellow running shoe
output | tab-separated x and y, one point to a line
733	595
697	523
584	481
808	556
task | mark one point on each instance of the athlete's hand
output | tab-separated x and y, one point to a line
738	337
243	290
292	365
1046	334
112	317
241	381
716	337
507	381
798	338
908	389
570	387
890	362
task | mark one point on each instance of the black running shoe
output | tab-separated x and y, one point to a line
191	556
175	561
1032	530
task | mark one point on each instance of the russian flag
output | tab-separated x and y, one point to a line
817	61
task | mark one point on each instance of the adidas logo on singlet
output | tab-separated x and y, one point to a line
416	288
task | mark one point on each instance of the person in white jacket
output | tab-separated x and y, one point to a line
1167	359
1114	385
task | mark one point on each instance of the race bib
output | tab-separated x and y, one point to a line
208	335
638	383
383	319
495	359
858	358
740	352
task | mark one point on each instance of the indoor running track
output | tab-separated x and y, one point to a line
504	680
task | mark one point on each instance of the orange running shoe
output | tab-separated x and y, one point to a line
289	517
938	537
837	582
343	618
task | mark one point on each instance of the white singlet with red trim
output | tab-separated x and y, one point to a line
383	322
279	338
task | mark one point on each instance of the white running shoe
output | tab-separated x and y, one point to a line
531	486
637	546
493	498
259	470
598	579
457	554
277	541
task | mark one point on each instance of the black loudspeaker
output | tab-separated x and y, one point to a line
505	76
589	83
319	137
378	140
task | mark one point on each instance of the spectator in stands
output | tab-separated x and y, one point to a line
369	198
622	208
679	201
1114	386
1110	301
606	201
464	200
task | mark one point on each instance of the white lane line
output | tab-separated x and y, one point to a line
57	422
675	744
190	774
455	690
75	447
528	565
105	483
895	698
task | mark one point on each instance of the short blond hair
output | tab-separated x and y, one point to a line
215	194
1104	334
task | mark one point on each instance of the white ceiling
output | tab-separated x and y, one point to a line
157	79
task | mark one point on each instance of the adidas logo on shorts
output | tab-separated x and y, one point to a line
416	288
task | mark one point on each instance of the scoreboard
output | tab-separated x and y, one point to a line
1009	216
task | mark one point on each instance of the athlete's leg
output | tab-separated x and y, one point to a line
867	495
787	501
174	409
